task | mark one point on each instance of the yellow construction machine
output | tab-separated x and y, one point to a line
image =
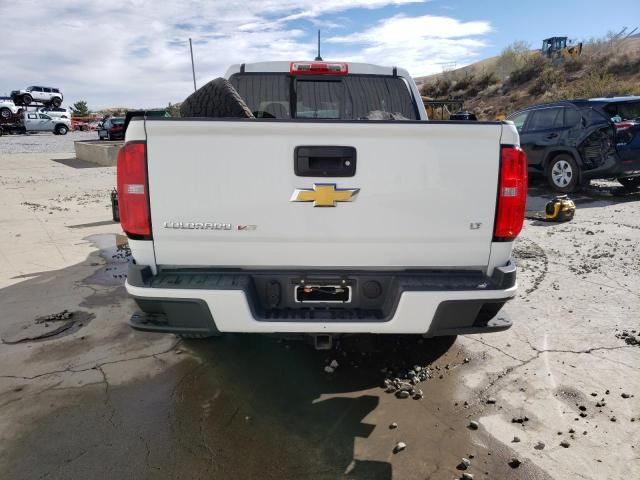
556	48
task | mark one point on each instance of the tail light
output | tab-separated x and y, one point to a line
512	194
133	190
623	125
318	68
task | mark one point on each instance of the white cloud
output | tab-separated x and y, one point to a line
136	53
420	44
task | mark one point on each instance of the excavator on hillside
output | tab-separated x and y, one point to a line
556	49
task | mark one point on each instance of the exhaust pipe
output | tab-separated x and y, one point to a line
323	342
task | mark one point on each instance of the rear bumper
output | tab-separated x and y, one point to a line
430	303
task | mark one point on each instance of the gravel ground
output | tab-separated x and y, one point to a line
43	142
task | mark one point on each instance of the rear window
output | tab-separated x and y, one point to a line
117	121
352	97
624	110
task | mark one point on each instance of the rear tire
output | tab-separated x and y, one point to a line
630	182
563	173
27	99
216	99
5	113
61	130
56	101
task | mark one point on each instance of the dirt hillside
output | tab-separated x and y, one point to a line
520	77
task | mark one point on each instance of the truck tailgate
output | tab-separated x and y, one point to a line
220	194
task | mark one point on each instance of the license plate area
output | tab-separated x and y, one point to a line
322	293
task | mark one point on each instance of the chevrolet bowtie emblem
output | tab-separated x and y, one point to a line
324	194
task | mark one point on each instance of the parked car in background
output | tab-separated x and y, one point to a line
8	108
46	95
572	142
112	129
40	122
55	112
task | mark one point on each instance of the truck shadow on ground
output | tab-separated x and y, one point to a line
240	406
273	401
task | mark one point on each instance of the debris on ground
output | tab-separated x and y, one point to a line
516	440
629	337
521	419
393	425
467	476
539	446
47	327
565	444
55	317
400	446
514	463
473	425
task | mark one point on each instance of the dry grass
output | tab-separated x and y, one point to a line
520	77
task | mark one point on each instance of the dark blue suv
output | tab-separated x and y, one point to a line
574	141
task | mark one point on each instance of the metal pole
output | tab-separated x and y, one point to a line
193	68
318	58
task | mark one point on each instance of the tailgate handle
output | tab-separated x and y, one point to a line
323	161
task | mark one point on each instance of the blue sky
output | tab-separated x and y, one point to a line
135	53
509	20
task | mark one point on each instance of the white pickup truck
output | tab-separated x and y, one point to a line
338	209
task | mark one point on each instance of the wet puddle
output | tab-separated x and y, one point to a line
114	248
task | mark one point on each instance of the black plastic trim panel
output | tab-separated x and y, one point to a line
375	295
185	316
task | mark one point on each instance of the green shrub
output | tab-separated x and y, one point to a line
512	58
596	84
533	65
548	80
439	88
463	83
573	64
624	65
485	79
